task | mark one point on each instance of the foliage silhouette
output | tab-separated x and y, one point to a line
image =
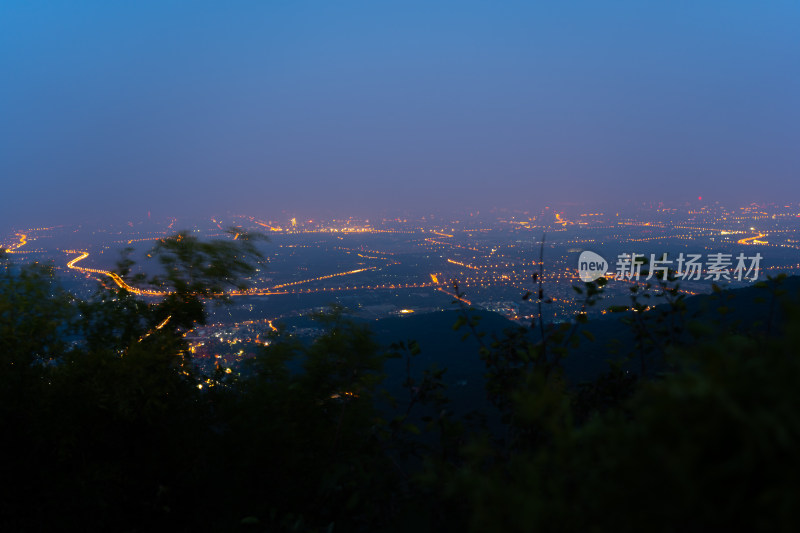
105	425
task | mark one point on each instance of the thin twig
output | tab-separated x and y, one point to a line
541	296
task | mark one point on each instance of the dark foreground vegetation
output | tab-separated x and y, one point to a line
105	427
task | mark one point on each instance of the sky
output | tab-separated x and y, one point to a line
114	109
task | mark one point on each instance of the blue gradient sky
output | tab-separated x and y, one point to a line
111	108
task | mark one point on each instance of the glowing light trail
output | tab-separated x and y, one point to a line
23	240
113	275
754	239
